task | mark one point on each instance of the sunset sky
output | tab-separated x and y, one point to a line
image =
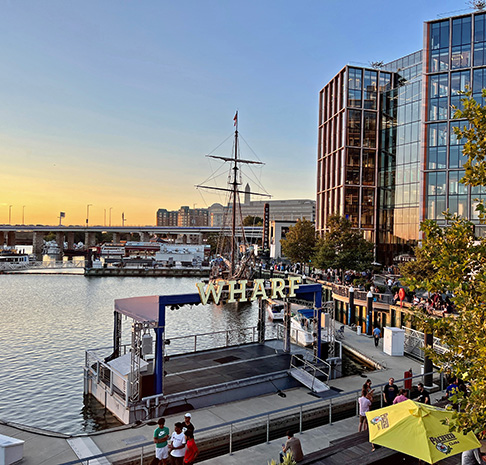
116	103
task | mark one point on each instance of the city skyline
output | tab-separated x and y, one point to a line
115	105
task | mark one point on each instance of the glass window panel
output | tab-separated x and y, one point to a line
479	31
479	54
444	34
441	157
354	98
460	56
369	133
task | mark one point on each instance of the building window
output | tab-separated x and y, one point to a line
438	96
439	46
367	208
479	83
436	194
456	158
352	166
354	87
369	133
369	157
351	205
354	128
459	81
370	89
479	40
437	142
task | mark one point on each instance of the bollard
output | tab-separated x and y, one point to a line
300	420
231	440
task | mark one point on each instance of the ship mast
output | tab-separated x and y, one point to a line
235	193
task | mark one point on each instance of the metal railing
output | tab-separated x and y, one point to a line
311	366
415	343
229	429
343	291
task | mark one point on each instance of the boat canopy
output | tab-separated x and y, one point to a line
147	309
307	312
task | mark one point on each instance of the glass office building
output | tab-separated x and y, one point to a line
387	154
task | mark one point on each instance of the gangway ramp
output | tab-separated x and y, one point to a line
308	380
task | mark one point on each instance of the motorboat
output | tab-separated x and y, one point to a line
275	309
11	259
303	326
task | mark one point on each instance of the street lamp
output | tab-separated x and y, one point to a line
10	214
104	216
123	219
23	214
87	213
111	208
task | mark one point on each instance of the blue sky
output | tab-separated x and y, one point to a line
115	103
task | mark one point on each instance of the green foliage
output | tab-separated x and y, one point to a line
475	146
252	221
288	460
452	259
300	242
343	247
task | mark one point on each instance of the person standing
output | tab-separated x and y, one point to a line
376	335
178	445
364	406
424	396
191	449
390	391
161	435
402	397
472	457
294	446
187	425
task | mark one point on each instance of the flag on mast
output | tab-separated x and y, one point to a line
235	119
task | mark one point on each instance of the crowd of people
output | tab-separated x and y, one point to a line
178	448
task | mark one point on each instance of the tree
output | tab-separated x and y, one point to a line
300	242
343	247
252	221
458	261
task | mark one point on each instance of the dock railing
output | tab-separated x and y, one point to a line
269	423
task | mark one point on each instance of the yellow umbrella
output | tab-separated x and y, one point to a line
417	430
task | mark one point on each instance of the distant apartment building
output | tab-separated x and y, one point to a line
167	218
192	217
388	157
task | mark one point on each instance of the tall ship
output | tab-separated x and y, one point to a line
235	256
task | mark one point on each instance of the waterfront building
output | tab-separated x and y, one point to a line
167	218
280	210
387	154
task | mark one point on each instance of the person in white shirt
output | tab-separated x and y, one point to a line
364	406
178	445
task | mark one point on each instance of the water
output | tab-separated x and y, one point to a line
48	321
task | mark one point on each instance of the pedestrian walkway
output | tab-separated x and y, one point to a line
43	448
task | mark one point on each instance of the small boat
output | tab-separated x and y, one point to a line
11	259
275	309
303	326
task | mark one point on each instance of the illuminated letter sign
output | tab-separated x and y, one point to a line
241	291
209	291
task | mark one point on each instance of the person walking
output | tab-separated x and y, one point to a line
161	435
364	406
191	449
472	457
390	391
376	335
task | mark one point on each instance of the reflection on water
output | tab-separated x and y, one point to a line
49	320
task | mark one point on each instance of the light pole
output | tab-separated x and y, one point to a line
104	217
23	214
123	219
87	213
10	214
110	214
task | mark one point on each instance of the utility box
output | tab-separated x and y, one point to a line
11	450
393	341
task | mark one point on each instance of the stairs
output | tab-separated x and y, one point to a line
308	380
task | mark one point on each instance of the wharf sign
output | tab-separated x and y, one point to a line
238	288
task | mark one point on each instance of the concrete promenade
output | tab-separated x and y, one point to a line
53	449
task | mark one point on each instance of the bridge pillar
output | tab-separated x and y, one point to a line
200	239
11	238
60	242
116	237
144	237
89	239
38	244
3	237
70	240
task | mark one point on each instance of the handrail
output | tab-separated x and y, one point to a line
313	368
344	396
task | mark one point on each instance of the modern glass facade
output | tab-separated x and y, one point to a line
388	157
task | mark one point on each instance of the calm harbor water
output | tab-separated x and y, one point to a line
49	320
